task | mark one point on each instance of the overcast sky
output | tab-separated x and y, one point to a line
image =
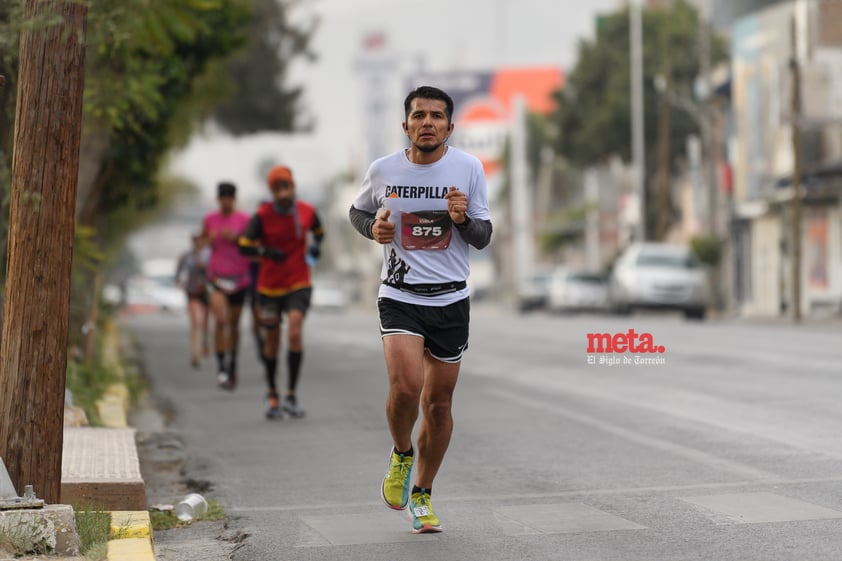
436	35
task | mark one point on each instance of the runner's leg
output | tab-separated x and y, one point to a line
218	308
295	348
205	325
405	366
195	310
437	419
234	312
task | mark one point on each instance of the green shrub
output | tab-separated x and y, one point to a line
708	249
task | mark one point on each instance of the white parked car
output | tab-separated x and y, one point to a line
659	276
577	290
155	287
330	293
533	294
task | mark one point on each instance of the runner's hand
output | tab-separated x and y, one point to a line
273	253
382	230
457	205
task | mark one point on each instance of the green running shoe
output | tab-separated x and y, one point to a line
395	488
421	514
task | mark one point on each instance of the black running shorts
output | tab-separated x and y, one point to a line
235	299
269	309
444	328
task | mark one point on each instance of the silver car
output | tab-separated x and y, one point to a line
577	290
659	276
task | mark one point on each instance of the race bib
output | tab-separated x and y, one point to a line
426	229
227	285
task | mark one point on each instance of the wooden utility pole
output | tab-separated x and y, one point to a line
45	164
796	172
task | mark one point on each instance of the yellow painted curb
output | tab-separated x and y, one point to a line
111	348
131	524
131	549
131	531
112	412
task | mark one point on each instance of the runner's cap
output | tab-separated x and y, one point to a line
279	173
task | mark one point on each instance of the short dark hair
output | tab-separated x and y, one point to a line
226	189
428	92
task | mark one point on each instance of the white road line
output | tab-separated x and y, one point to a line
692	454
352	507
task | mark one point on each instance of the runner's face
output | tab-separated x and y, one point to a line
427	125
283	192
226	204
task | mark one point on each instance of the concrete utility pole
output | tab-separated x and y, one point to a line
33	354
522	231
707	123
796	171
664	163
637	123
708	130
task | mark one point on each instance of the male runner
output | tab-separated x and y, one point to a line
424	204
278	233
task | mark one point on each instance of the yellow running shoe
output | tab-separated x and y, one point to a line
395	488
421	513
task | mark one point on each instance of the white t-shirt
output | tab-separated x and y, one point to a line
427	248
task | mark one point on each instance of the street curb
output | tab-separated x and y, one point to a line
131	537
131	533
131	524
130	549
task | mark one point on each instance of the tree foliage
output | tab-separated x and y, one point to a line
144	58
259	100
594	115
155	70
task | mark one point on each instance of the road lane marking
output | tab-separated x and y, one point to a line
775	425
361	529
758	508
687	452
524	520
455	499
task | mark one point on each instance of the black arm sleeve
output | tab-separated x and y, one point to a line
248	241
476	232
362	221
317	229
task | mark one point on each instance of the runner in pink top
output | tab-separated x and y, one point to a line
228	279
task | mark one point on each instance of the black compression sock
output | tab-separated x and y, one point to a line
409	453
271	365
220	359
293	368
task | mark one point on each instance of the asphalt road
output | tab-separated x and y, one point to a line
727	448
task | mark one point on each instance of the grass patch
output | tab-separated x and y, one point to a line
167	520
97	552
87	383
93	527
